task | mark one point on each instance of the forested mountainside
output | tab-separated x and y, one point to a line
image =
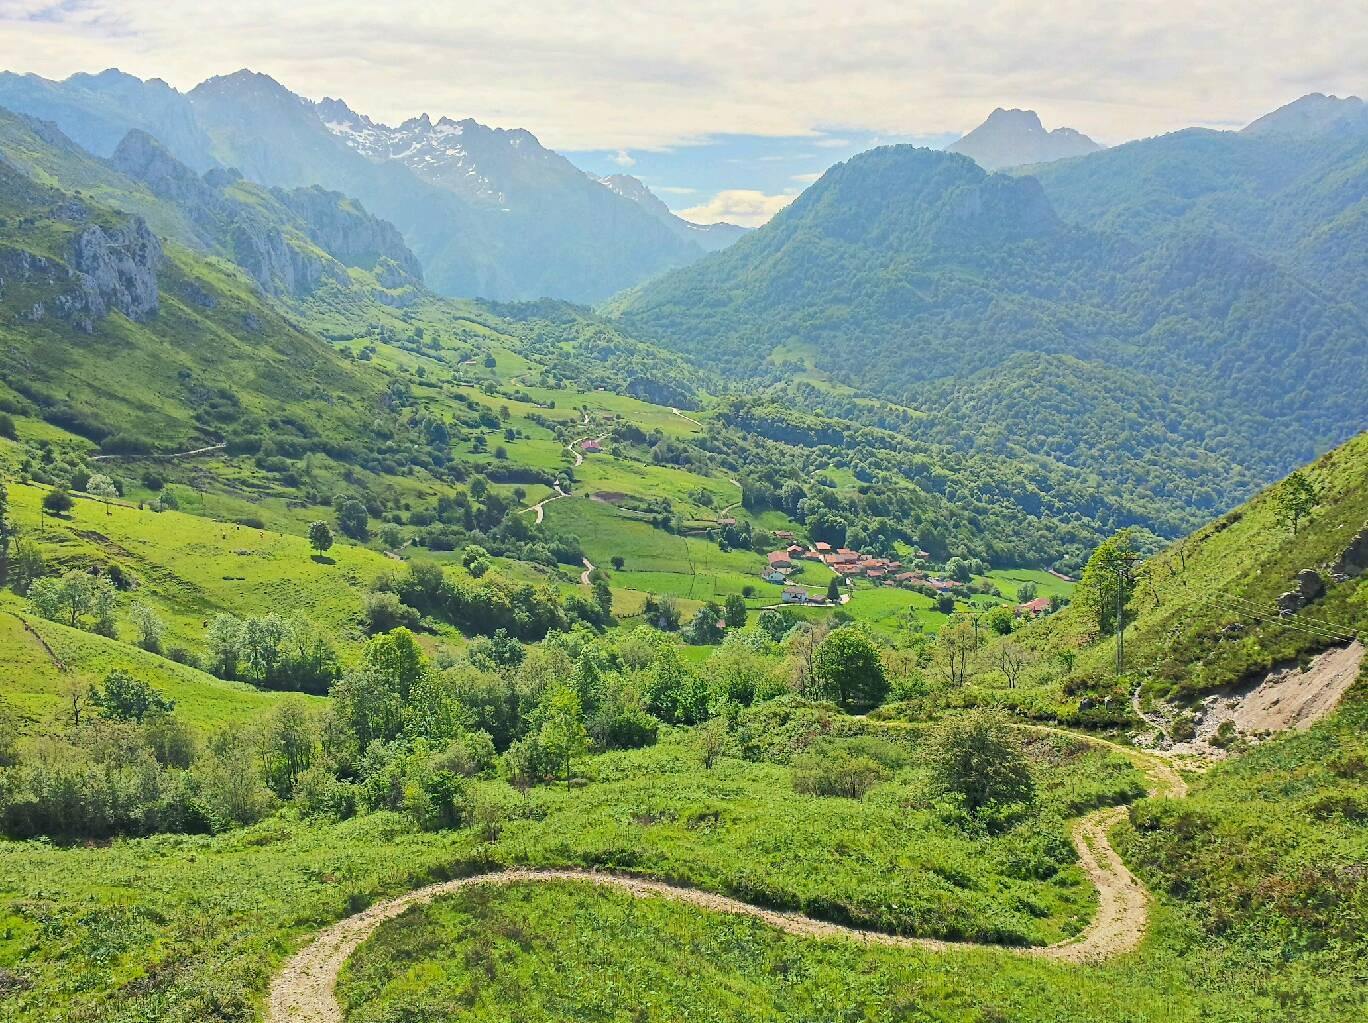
489	212
916	277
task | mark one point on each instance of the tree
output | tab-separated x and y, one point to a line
1297	497
1108	581
848	663
67	598
57	501
7	428
603	595
705	626
1013	659
150	627
563	734
288	746
26	565
6	533
617	561
353	520
1026	592
834	590
320	536
976	758
126	698
1000	620
959	569
955	646
734	613
773	624
102	486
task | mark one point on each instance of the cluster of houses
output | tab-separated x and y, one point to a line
851	564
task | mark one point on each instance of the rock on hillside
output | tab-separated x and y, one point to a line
1015	138
119	269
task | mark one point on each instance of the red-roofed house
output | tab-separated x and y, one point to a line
590	446
779	559
823	548
1039	606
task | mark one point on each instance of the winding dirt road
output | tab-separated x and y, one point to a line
303	991
589	567
540	505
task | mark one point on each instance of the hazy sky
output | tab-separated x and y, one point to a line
617	80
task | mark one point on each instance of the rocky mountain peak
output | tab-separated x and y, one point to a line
1014	138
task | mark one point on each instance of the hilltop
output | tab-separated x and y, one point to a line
1015	138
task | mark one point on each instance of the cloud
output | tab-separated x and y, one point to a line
831	143
624	159
673	189
583	77
807	179
745	206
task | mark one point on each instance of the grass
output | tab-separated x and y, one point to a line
190	568
1257	914
179	928
38	688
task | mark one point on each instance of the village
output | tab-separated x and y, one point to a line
850	565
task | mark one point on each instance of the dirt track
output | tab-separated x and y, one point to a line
303	990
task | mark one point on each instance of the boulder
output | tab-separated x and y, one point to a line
1310	585
1290	602
1354	560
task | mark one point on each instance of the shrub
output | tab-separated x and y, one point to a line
837	773
384	611
977	759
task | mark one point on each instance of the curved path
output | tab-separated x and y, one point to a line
154	458
540	505
303	991
589	567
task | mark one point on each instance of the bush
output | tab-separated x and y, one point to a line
977	760
837	773
7	428
384	611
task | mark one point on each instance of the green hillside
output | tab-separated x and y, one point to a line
1205	611
914	276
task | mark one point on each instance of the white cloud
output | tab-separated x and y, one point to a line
745	206
832	143
623	159
673	189
585	77
807	179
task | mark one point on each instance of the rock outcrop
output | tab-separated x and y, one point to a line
1310	587
118	269
1354	560
343	229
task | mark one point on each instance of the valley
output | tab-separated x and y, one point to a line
438	583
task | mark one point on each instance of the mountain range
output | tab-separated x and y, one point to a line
1180	317
489	212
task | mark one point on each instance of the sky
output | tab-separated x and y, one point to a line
726	107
